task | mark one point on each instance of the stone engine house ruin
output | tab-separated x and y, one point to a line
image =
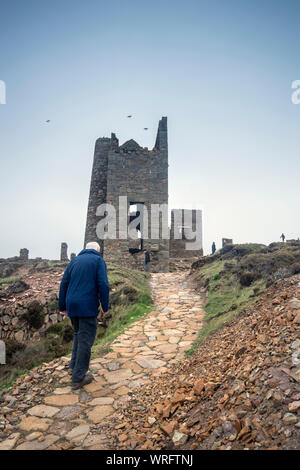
142	176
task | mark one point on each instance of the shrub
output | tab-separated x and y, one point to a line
67	334
247	278
295	268
12	346
62	331
35	315
53	306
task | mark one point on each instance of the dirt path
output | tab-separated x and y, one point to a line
66	419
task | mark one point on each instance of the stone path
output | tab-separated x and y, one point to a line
66	419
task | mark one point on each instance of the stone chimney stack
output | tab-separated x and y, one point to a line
64	252
24	254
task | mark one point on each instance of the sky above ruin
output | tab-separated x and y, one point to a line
220	70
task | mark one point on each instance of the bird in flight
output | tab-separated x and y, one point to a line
129	116
48	120
145	128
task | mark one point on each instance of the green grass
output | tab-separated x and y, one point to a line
117	326
209	270
9	280
11	377
225	296
130	301
224	274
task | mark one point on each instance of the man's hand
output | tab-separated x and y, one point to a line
64	313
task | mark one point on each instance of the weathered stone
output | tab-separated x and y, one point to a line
151	420
49	440
198	386
113	366
33	436
102	401
24	254
179	438
94	386
169	428
78	433
69	412
118	376
53	317
295	405
167	348
114	173
32	423
43	411
64	252
98	440
99	412
9	443
290	418
62	391
61	400
149	363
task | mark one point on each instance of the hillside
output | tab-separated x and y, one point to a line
216	364
239	390
235	276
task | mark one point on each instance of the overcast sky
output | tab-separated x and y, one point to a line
221	70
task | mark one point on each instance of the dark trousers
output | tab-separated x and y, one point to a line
85	329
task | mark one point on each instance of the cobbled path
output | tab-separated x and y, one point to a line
77	420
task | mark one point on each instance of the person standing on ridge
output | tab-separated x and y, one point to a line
213	248
147	261
84	285
282	236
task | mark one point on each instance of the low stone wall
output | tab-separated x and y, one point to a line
13	326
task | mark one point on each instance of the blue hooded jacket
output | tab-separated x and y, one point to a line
83	285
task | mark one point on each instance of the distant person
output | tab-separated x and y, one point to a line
282	236
84	285
213	248
147	261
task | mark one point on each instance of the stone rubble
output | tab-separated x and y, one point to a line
239	390
40	411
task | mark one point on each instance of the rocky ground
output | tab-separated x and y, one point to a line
240	389
36	286
41	412
30	286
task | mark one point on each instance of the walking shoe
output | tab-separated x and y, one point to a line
87	380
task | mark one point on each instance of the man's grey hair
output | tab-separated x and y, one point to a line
93	246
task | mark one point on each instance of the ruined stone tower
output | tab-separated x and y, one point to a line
142	176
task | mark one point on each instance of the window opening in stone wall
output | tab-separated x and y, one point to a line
135	211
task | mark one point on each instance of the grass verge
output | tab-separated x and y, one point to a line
225	297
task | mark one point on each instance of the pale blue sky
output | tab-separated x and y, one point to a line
221	70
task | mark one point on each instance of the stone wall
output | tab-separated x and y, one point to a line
24	254
98	187
12	326
140	175
178	224
226	241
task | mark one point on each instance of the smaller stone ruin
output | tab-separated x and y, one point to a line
24	254
64	252
226	241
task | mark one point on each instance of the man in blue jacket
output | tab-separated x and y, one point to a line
83	285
